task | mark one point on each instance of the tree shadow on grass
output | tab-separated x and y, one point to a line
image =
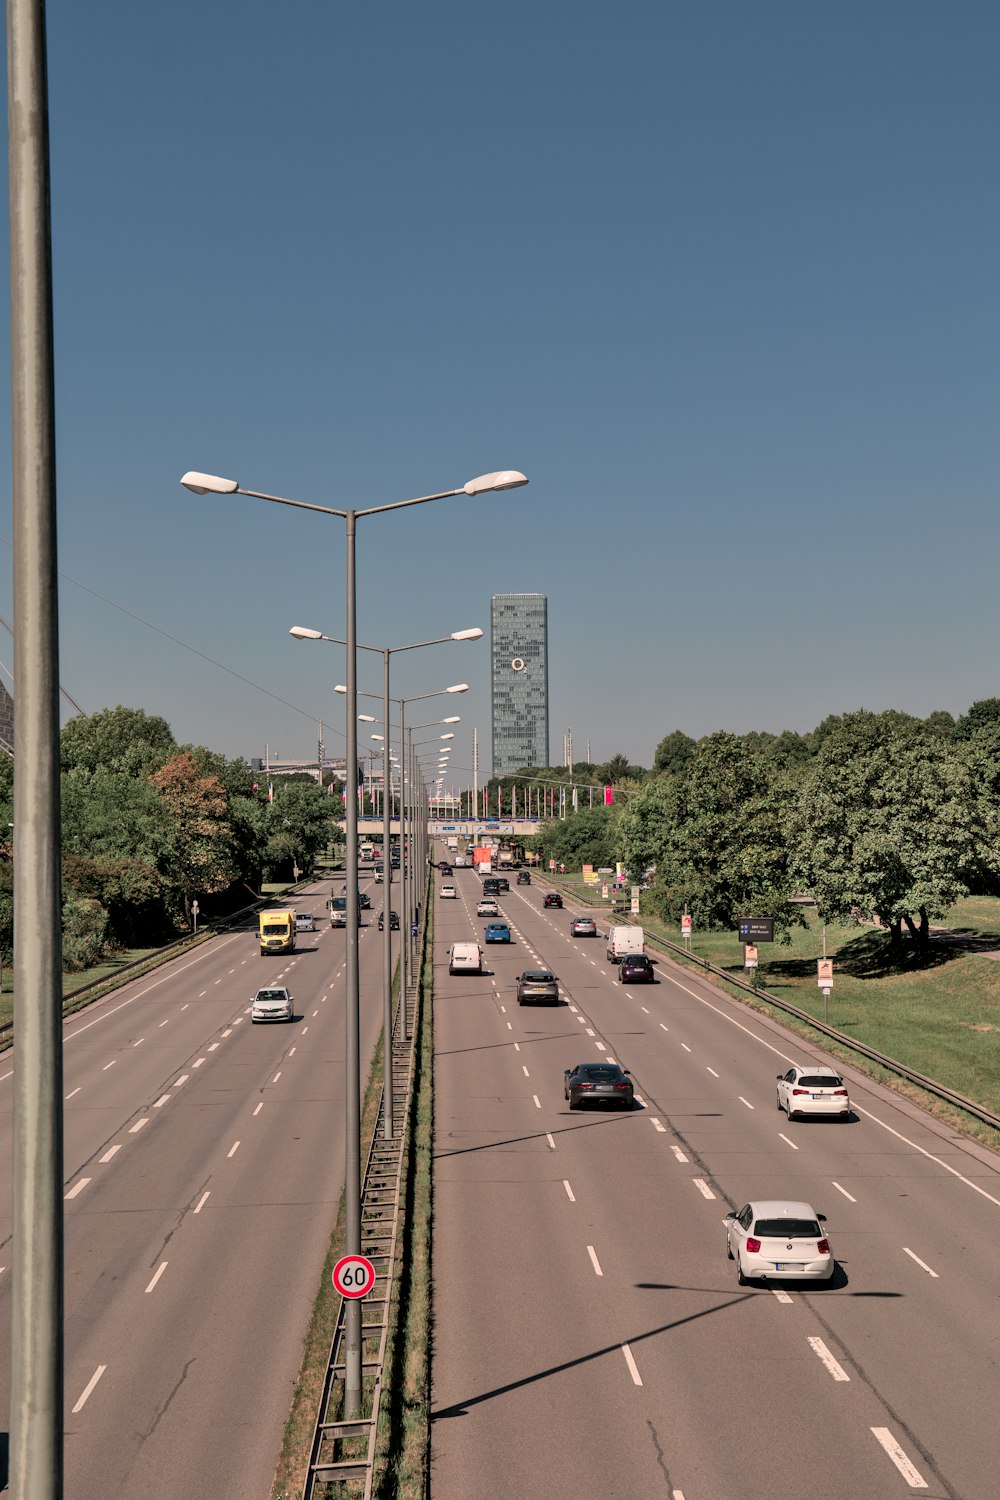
871	955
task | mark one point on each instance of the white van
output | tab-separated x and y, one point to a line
622	940
465	958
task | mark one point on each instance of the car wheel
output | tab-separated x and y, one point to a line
729	1249
743	1280
777	1099
574	1104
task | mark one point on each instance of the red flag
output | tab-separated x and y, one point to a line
609	795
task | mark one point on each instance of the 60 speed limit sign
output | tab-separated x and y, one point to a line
353	1276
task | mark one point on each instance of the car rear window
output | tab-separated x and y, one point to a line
538	976
787	1229
602	1074
822	1081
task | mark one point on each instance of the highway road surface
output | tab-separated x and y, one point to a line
590	1334
204	1167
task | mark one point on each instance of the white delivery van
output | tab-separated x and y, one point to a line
465	958
453	843
622	940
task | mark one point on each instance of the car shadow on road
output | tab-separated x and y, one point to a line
538	1135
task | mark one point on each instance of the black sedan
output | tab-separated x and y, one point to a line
636	968
523	878
598	1083
583	927
553	898
393	921
537	986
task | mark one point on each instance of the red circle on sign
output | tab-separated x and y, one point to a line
353	1276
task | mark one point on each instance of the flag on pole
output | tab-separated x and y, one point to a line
609	795
270	791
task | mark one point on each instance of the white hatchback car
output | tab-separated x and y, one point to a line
813	1091
487	908
448	893
305	921
274	1004
775	1238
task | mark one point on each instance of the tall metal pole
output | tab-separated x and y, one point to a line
352	1081
36	1458
408	875
387	1105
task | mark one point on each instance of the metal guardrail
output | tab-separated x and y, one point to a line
939	1090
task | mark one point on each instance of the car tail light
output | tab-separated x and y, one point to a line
753	1246
585	1085
841	1091
800	1091
622	1085
823	1247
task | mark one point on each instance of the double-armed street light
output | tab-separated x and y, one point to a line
213	484
304	633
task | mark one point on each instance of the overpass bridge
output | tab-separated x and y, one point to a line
469	828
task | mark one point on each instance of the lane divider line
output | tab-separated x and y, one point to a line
88	1388
633	1368
910	1473
819	1348
846	1194
921	1263
569	1191
594	1261
159	1272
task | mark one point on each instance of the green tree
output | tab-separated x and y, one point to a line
123	740
888	822
673	753
301	821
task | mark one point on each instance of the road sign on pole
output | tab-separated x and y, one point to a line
824	971
353	1276
635	900
685	926
749	956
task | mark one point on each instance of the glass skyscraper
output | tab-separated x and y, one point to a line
519	681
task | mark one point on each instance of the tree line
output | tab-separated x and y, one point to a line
149	826
871	814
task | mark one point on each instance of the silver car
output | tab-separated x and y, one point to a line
274	1004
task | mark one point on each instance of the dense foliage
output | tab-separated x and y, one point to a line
148	826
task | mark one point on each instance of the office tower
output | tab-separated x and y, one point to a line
519	681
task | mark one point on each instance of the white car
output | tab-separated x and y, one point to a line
274	1004
487	908
815	1090
459	861
305	921
775	1238
448	893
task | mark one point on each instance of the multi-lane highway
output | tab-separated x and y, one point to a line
204	1166
590	1334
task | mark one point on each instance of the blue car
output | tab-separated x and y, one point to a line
498	932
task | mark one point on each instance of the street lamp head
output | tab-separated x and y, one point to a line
211	484
372	721
340	688
466	635
303	633
500	479
452	719
460	687
449	736
367	719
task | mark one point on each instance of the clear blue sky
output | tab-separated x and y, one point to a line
720	278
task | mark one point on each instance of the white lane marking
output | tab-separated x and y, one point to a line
644	1010
212	1046
573	1009
88	1388
551	1142
845	1192
228	1032
538	1102
77	1188
659	1125
781	1296
134	1129
315	1013
637	1097
569	1191
601	1047
503	1010
633	1368
703	1187
921	1263
582	1020
72	1095
590	1032
163	1099
167	1021
685	1046
201	1203
517	1046
235	1023
201	993
139	1042
678	1153
836	1370
199	1062
109	1065
524	1070
913	1477
159	1272
188	1002
111	1151
276	1076
711	1070
258	1109
787	1141
594	1261
664	1028
182	1079
291	1051
233	1150
744	1101
304	1030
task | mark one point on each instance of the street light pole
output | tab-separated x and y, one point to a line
214	484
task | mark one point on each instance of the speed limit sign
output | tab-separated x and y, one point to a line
353	1276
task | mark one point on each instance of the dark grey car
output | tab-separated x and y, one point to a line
598	1083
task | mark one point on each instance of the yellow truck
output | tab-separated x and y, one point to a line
277	932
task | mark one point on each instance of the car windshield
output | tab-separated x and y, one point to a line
821	1081
271	995
787	1229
